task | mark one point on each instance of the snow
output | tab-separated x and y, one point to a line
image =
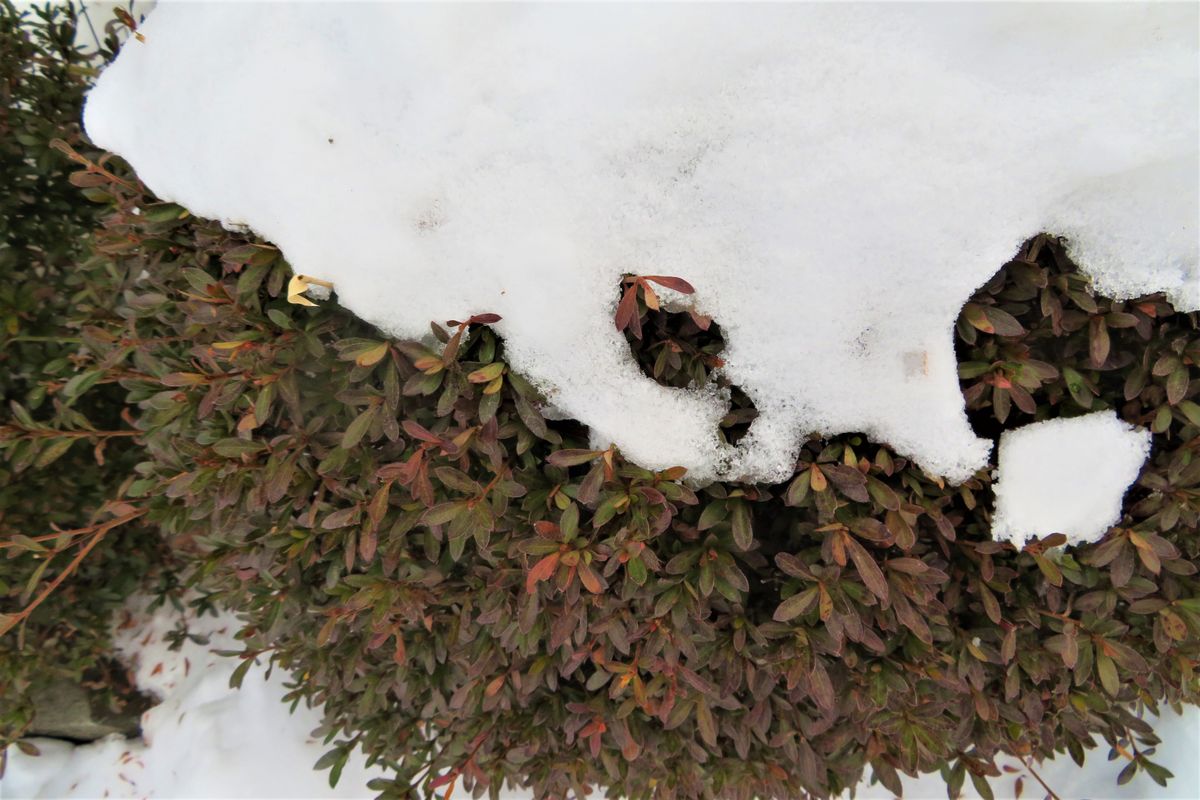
1066	476
208	740
834	180
203	739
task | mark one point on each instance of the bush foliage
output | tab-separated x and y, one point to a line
65	448
475	596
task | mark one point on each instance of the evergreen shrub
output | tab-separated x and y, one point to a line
64	448
476	596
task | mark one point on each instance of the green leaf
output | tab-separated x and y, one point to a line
743	529
234	448
705	723
712	514
239	674
1177	385
358	428
795	605
1191	411
571	458
55	451
81	383
982	786
444	512
1107	671
636	568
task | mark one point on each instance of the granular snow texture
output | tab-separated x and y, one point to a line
834	180
1066	476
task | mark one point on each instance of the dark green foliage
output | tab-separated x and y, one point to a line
64	455
476	596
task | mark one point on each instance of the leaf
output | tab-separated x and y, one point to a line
977	318
627	315
705	723
868	570
982	786
341	518
1177	385
1107	671
678	284
55	451
821	686
883	494
372	356
990	606
1098	341
743	530
239	674
590	579
82	382
571	458
359	427
299	284
1003	323
419	432
444	512
1049	569
816	479
1191	411
488	373
795	605
636	569
541	571
235	448
1173	625
713	514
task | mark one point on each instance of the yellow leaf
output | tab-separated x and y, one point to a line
372	356
300	284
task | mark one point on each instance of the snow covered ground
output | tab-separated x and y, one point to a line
205	740
833	179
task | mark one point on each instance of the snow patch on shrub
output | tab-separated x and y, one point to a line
1066	476
833	180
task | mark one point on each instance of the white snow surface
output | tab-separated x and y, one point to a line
203	740
206	740
1066	476
834	180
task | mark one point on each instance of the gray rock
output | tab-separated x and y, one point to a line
67	710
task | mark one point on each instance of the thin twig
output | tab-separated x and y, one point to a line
1034	773
101	530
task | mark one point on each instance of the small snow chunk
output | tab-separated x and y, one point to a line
1066	476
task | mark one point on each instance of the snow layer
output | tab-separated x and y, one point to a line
1066	476
203	739
834	180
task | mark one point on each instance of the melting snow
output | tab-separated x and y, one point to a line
833	180
1066	476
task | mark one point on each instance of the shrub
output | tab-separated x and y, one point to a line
476	596
54	425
